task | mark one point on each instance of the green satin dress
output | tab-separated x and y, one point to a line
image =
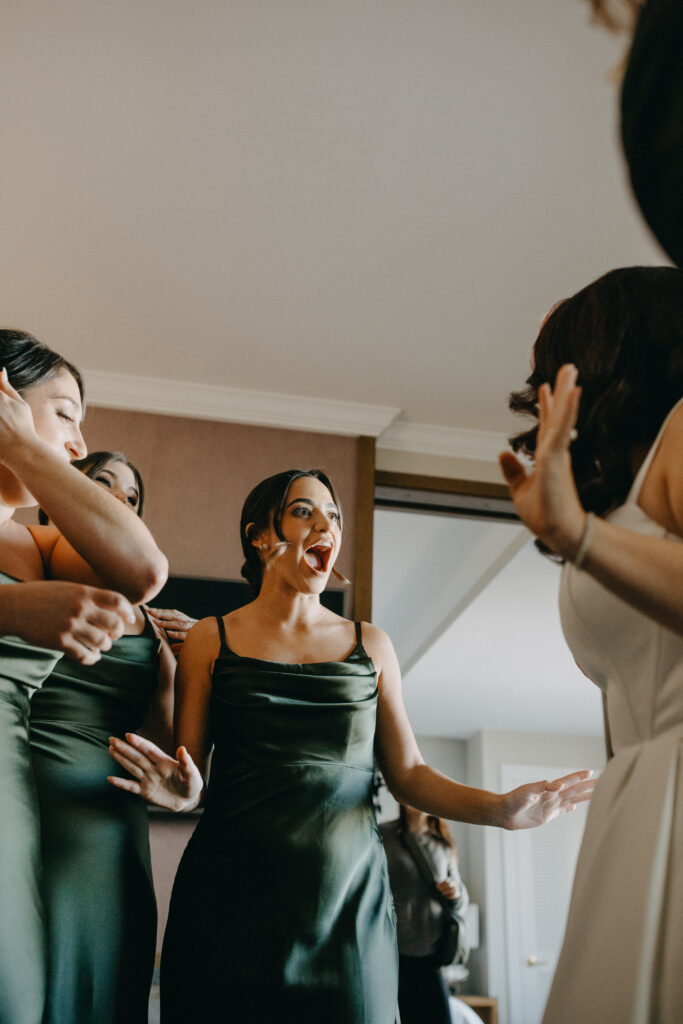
23	669
97	881
281	909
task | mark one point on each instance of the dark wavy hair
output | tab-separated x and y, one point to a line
264	506
624	333
29	361
93	463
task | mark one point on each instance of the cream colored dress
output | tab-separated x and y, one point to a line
622	959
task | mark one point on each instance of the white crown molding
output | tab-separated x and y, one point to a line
236	405
290	412
454	442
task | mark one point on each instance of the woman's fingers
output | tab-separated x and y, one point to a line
91	637
7	387
112	608
566	781
80	653
125	762
120	750
513	470
557	409
147	749
187	765
128	784
580	792
171	618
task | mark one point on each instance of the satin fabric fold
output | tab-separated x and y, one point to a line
97	878
23	669
281	908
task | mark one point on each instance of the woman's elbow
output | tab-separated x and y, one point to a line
147	579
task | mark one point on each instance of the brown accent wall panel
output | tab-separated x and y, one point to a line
365	510
197	473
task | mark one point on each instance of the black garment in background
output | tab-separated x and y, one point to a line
422	992
652	121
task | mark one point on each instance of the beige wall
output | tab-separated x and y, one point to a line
198	472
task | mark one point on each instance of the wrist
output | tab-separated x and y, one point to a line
191	804
27	454
566	540
497	811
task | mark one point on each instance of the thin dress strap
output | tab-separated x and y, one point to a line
221	631
148	629
633	494
359	635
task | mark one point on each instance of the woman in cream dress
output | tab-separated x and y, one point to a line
606	496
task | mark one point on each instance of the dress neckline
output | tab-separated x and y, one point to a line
357	648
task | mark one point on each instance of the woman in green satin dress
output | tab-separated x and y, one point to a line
47	610
97	888
281	908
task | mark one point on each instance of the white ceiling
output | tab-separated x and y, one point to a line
372	201
472	608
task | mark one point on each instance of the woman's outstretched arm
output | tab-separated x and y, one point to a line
176	783
158	723
646	572
415	783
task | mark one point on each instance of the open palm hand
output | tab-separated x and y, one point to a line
171	782
537	803
546	498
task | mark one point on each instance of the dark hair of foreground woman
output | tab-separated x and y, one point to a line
624	332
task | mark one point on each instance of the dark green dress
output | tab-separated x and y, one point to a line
97	882
281	909
23	668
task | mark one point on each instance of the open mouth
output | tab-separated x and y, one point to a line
317	557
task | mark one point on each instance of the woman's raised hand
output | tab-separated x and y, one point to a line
171	782
81	621
546	498
539	802
16	418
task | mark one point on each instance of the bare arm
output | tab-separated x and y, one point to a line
646	572
100	541
415	783
158	724
176	783
79	620
109	537
193	692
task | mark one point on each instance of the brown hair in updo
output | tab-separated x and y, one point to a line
264	506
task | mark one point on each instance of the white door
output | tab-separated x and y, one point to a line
538	871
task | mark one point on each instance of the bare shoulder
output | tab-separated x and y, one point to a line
378	645
203	631
667	483
673	433
202	643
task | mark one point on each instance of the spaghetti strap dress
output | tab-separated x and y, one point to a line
621	958
97	880
281	908
23	669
